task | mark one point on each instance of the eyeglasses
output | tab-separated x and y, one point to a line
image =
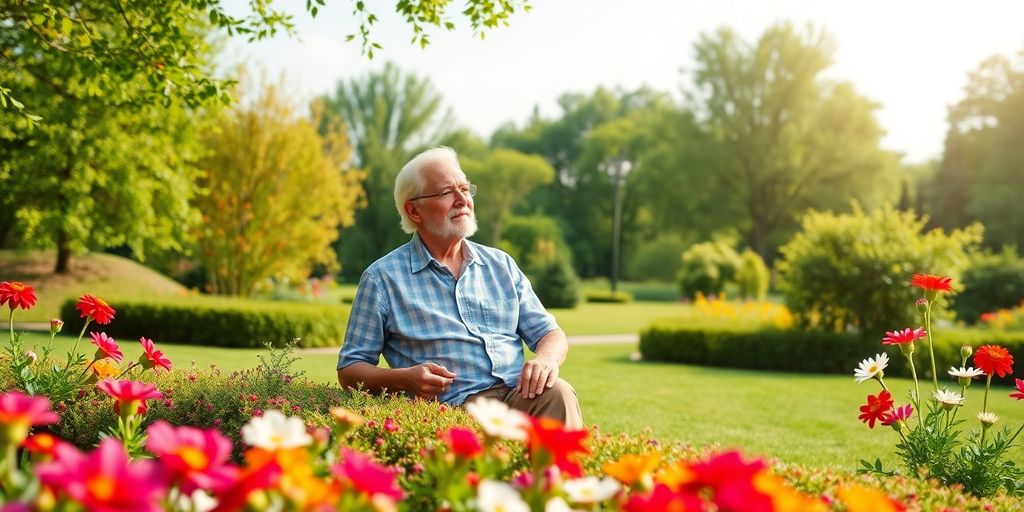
467	190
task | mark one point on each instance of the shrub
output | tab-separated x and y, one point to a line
820	352
991	282
752	276
222	322
839	270
556	284
657	260
707	268
607	297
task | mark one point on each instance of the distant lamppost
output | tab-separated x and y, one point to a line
618	168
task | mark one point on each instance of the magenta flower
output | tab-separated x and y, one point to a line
196	459
907	335
1019	395
358	470
130	395
463	442
104	480
390	425
897	414
151	357
106	347
20	412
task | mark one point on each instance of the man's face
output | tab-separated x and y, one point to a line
448	214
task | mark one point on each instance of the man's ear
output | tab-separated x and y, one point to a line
412	212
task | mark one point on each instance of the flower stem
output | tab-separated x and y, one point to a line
988	385
884	388
917	386
931	350
10	322
1008	443
84	327
126	370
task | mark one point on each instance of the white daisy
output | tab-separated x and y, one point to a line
871	367
557	504
969	373
590	489
948	399
987	419
498	420
198	501
499	497
274	431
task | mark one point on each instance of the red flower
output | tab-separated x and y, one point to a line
548	436
106	347
876	409
930	283
95	308
987	317
663	499
43	444
907	335
732	480
17	295
151	357
1019	395
994	360
361	472
463	442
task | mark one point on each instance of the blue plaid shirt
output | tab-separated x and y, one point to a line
411	309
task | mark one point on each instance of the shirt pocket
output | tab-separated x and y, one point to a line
500	316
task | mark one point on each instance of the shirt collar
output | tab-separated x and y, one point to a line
420	257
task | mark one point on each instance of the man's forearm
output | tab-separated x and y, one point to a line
553	345
372	378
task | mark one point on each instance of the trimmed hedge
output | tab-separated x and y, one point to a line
220	321
607	297
812	352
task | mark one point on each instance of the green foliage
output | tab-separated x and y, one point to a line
537	245
556	283
979	175
992	281
752	276
657	260
390	115
707	268
607	297
274	195
780	137
839	270
504	177
221	322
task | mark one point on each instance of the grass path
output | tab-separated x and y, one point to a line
802	418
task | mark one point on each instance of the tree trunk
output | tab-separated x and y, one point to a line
63	253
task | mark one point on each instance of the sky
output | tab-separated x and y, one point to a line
911	57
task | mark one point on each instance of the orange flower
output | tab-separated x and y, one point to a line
91	306
994	360
17	295
930	283
104	369
630	468
785	498
862	499
675	476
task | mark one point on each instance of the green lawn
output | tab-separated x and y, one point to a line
809	419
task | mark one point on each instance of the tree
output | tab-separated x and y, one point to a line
504	178
109	43
275	194
389	116
782	139
980	173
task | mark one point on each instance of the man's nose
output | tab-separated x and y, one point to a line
461	197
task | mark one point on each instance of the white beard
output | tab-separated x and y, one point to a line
451	230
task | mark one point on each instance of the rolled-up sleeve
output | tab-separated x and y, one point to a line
534	320
364	337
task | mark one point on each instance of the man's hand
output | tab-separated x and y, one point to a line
539	374
428	380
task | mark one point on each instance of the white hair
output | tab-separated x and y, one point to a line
409	182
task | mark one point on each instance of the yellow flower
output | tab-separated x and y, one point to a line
631	469
858	498
675	476
105	368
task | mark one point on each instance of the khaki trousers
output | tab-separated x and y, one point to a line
559	402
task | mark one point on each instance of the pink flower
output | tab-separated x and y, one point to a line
151	357
897	414
104	480
907	335
463	442
359	471
389	425
106	347
1019	395
198	459
130	395
20	412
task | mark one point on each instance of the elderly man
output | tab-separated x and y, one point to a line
450	315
